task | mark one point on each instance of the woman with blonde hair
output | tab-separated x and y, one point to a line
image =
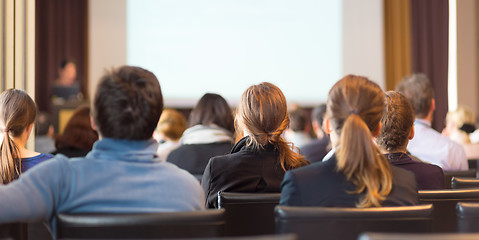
170	128
258	161
354	173
17	116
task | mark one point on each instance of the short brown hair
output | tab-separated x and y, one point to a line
172	124
418	90
396	123
128	104
297	118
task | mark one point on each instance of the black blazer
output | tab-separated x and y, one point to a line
243	170
315	150
320	184
194	157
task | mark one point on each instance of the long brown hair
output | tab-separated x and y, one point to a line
212	109
263	113
78	132
355	106
17	112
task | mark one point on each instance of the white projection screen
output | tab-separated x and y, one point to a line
224	46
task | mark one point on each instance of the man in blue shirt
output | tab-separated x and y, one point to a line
120	174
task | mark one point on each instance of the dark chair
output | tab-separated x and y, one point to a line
418	236
14	231
463	182
444	201
248	214
449	174
347	223
468	217
192	224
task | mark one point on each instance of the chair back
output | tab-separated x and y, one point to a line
248	214
419	236
468	217
449	174
190	224
347	223
444	201
14	231
464	182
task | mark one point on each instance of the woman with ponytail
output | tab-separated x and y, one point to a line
17	116
354	173
259	160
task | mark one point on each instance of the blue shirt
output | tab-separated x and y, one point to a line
28	163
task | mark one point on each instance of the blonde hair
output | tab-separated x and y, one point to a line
355	106
263	113
172	124
462	115
17	112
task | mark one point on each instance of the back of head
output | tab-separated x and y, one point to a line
463	118
418	90
263	114
78	132
355	106
212	109
17	113
297	119
396	123
43	124
172	124
317	115
128	103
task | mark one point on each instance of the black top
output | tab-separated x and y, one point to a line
243	170
320	184
194	157
72	152
428	176
315	150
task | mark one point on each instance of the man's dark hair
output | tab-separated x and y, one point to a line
297	120
317	115
128	104
418	90
43	123
212	109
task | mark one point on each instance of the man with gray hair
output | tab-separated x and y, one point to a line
428	144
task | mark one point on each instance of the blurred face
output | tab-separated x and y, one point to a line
68	74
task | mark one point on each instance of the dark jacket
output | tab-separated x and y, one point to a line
243	170
428	176
315	150
320	184
194	157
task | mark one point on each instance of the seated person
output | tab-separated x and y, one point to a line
170	128
78	137
259	160
17	115
428	144
459	124
210	134
354	173
44	141
396	131
319	147
120	174
296	132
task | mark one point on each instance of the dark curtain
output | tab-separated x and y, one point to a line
429	25
61	33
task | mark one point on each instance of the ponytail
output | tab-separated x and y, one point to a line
10	161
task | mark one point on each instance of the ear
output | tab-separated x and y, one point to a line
411	133
327	126
92	124
377	130
433	104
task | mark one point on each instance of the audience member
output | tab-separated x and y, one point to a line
44	141
210	134
120	174
459	124
170	128
396	131
354	173
428	144
17	116
259	160
296	133
78	136
318	148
